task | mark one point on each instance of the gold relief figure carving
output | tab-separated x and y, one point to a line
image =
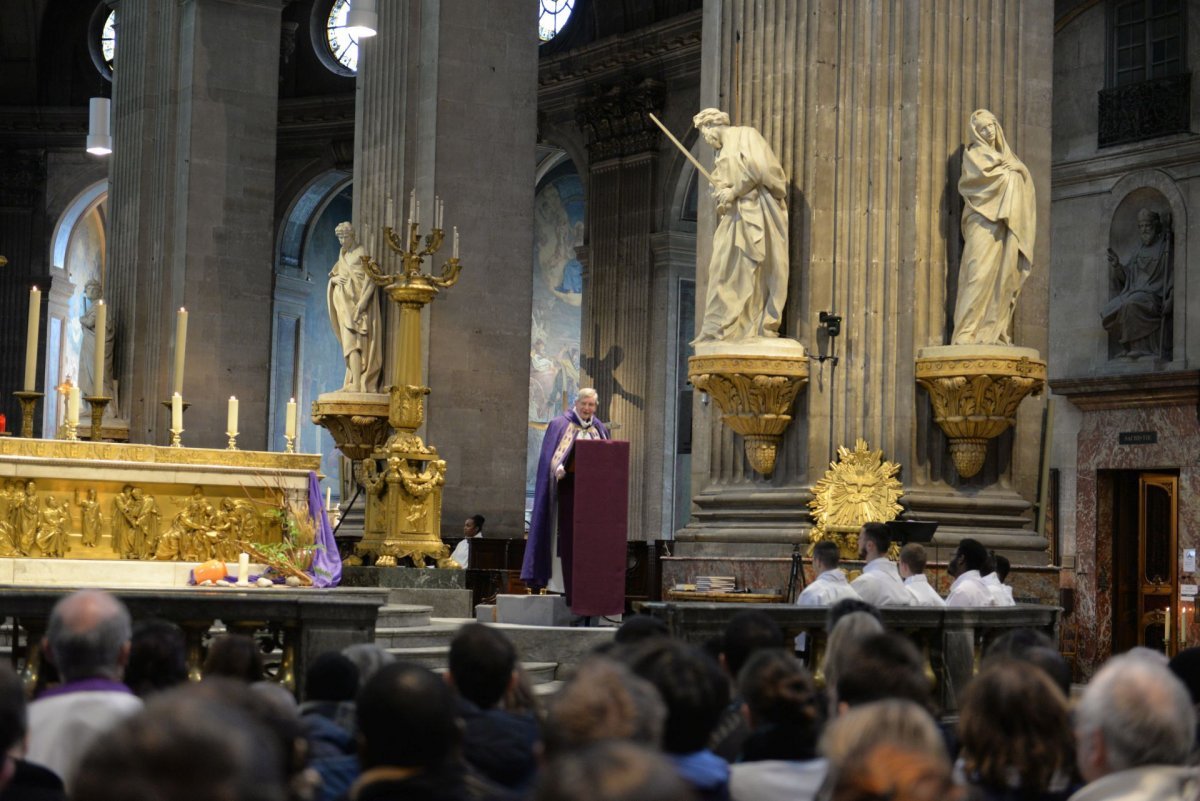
91	517
51	535
145	516
28	518
123	523
187	537
9	541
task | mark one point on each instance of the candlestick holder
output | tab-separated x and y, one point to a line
232	440
28	406
176	437
289	444
71	431
184	405
97	403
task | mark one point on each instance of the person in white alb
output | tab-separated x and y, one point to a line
880	583
994	579
830	585
968	589
912	570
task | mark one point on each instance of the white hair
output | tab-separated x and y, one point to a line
1141	710
710	116
587	392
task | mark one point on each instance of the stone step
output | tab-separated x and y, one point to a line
446	602
540	672
415	636
430	656
397	616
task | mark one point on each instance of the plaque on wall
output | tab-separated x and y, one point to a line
1137	438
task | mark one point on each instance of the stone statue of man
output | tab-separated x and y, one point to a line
1142	286
354	313
748	272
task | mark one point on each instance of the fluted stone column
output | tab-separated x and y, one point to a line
866	105
192	209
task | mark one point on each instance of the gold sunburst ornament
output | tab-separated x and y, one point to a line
860	487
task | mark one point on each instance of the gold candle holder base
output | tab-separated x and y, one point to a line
28	406
98	404
289	444
176	437
167	405
70	431
232	440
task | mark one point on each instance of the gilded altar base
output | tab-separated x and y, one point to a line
86	500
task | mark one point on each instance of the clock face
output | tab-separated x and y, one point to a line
108	40
342	43
552	16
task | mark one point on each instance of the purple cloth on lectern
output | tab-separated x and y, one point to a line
556	450
327	564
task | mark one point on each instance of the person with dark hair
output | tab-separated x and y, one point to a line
1015	734
472	528
966	566
695	692
993	579
612	771
830	585
882	666
912	569
87	640
498	743
747	632
848	606
1036	648
638	628
157	657
186	746
20	780
880	583
234	656
330	684
779	759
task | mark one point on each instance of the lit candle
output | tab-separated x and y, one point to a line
455	253
231	424
290	422
31	339
412	205
101	335
177	412
328	496
243	568
180	348
1182	625
1167	633
73	405
389	212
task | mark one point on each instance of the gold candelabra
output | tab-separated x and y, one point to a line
410	485
28	406
97	404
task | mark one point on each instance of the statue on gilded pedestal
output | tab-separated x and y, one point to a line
354	313
999	225
748	272
1142	290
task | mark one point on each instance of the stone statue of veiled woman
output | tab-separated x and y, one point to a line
999	225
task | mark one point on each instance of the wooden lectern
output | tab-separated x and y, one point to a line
594	562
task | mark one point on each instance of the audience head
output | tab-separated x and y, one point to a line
874	540
895	722
1036	648
482	661
1134	712
406	719
895	772
473	525
603	701
185	746
1015	729
331	677
88	636
782	704
826	555
847	606
913	559
612	771
969	555
848	631
368	658
234	656
157	657
1003	566
882	666
638	628
747	632
692	687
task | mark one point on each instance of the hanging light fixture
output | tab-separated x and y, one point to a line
99	140
363	19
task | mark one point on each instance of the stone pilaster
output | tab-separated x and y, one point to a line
866	105
194	120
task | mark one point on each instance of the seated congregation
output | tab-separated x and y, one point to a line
644	717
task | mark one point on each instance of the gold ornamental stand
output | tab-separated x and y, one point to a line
406	474
97	404
28	407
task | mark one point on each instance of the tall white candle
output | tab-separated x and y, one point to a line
243	576
31	339
412	206
389	212
101	334
73	405
231	424
417	216
290	423
328	496
180	348
176	412
455	253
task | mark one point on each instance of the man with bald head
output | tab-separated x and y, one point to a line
87	640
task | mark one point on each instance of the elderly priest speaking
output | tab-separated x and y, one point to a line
552	525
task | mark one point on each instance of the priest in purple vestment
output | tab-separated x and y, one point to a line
554	498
